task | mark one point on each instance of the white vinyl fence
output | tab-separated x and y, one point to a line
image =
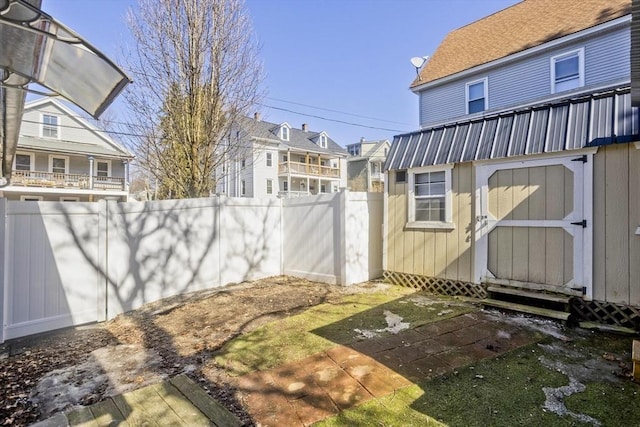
65	264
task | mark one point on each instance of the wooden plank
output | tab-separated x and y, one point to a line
505	194
212	409
391	231
492	197
149	408
505	253
107	414
418	252
634	222
599	237
554	257
528	294
82	417
554	192
537	255
616	225
492	252
568	191
544	312
440	253
401	215
429	253
520	194
182	406
463	214
568	257
520	254
452	235
534	286
128	407
537	193
408	251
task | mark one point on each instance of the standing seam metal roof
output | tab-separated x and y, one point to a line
595	119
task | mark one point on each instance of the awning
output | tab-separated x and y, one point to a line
36	48
586	121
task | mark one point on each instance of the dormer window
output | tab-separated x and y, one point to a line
50	126
567	71
284	133
477	96
323	141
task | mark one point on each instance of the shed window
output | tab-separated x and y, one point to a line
430	198
476	96
567	71
401	176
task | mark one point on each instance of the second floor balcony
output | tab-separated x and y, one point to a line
66	181
308	169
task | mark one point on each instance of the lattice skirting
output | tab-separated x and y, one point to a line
436	285
606	312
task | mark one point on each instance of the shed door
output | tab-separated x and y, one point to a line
529	227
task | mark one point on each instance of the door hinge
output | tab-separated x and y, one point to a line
582	159
583	223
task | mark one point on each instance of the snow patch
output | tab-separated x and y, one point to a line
394	325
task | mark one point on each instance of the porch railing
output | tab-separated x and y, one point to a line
308	169
65	180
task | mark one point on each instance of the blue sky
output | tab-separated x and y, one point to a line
339	56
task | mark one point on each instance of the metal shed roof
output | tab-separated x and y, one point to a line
590	120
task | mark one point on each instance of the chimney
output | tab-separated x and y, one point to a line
256	116
362	139
304	127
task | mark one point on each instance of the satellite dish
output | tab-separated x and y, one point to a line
419	61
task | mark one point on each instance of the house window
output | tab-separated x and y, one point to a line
243	163
269	186
285	158
103	169
284	133
323	141
567	71
69	199
49	126
58	164
285	186
24	162
243	188
30	198
430	198
401	176
269	159
323	188
354	150
477	96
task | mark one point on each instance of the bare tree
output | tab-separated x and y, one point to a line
196	76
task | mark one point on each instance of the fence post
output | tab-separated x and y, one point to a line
3	262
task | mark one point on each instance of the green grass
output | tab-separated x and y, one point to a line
328	325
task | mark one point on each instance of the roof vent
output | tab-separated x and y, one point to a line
256	116
305	127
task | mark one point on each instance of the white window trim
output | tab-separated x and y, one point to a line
267	186
552	63
323	141
69	199
66	162
42	125
108	162
448	199
484	80
26	198
31	162
282	133
269	159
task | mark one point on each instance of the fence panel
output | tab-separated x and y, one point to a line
51	258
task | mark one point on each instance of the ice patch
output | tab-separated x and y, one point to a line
394	325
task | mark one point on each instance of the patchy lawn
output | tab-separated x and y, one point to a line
571	377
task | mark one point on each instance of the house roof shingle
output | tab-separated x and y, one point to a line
298	138
522	26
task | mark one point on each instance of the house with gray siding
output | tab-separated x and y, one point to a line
276	159
521	185
62	157
365	164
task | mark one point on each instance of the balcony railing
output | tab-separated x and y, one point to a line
66	180
308	169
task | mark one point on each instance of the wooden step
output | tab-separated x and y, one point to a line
543	312
559	298
533	286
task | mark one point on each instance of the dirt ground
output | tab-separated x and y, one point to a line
48	373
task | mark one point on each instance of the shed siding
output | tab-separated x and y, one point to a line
433	253
527	81
616	216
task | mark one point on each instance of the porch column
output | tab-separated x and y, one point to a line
126	174
308	189
90	171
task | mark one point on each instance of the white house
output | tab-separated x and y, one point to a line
365	165
277	159
62	157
